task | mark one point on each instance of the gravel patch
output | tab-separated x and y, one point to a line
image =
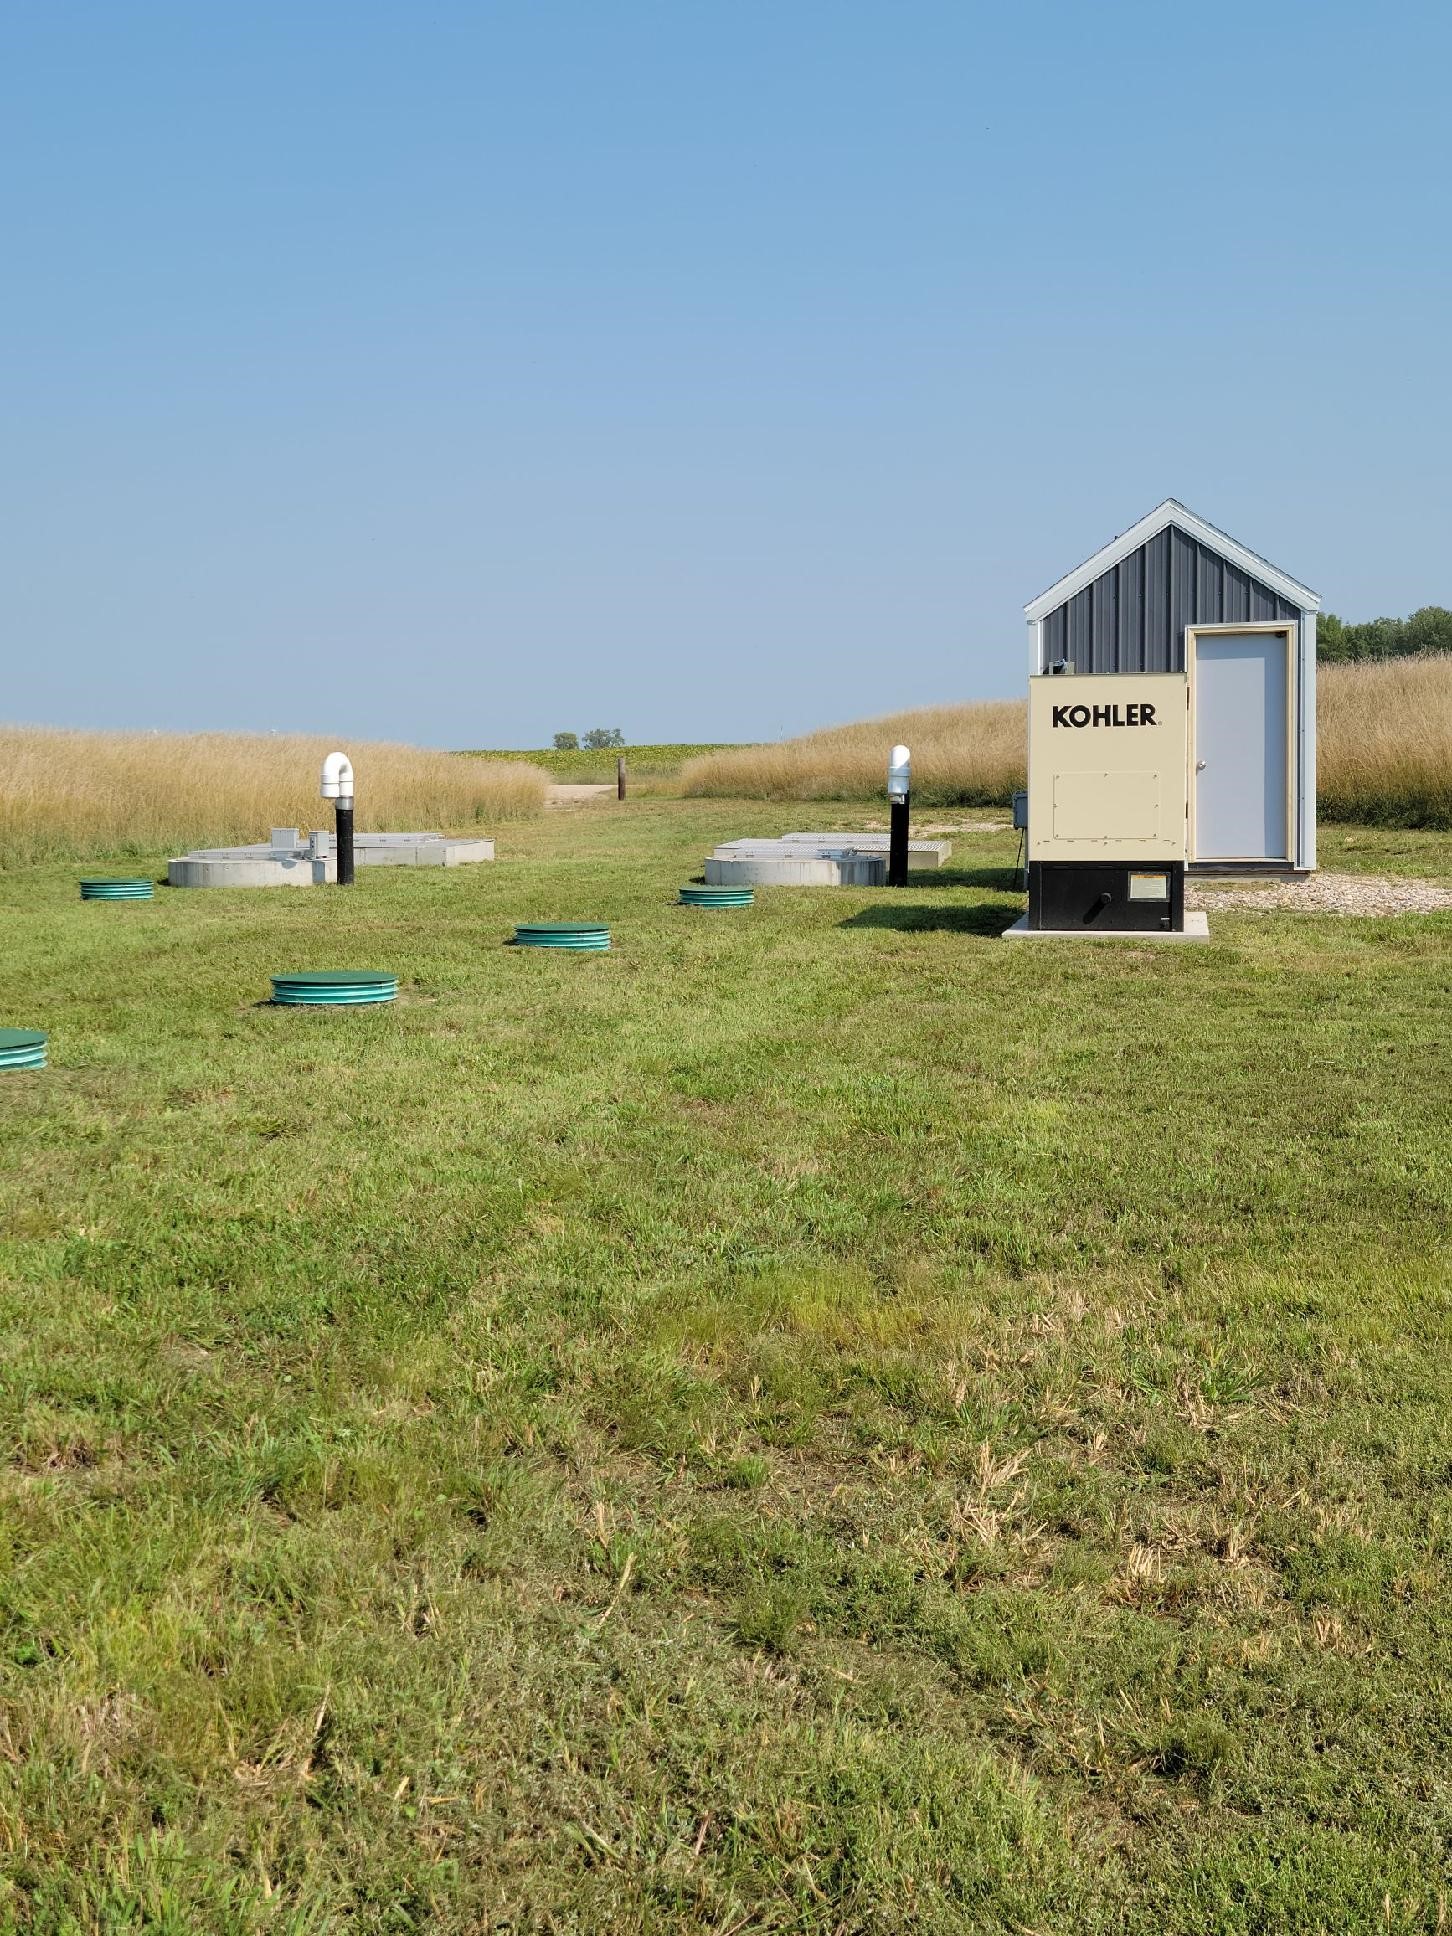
1324	894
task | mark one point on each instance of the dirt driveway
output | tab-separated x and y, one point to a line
578	796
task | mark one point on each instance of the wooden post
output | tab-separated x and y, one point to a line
620	777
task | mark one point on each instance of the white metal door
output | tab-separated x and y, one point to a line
1242	755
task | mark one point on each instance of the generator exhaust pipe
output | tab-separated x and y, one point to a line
337	786
899	794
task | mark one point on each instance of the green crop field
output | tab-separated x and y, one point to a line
817	1420
583	768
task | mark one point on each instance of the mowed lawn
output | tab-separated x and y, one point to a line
816	1421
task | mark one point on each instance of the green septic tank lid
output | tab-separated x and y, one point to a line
337	978
574	937
116	880
22	1049
117	891
334	988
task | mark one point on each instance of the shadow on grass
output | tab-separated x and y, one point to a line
1004	879
916	917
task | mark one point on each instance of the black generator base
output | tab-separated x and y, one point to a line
1113	896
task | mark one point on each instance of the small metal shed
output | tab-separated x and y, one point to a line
1175	594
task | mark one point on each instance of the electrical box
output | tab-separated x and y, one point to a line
1107	800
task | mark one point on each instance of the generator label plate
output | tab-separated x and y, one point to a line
1149	887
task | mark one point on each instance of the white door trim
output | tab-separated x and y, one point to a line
1288	629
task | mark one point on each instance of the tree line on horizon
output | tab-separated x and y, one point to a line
597	740
1427	630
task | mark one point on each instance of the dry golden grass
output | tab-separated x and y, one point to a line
970	755
72	793
1384	751
1384	741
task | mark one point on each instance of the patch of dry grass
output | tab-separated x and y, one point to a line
73	793
1384	739
962	755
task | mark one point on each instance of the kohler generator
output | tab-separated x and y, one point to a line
1108	801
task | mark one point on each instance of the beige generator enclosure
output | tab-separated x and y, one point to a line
1108	766
1108	803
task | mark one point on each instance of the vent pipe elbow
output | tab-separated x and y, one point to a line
899	773
337	777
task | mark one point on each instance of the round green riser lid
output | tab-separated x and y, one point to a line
562	934
338	986
693	895
337	978
22	1048
117	890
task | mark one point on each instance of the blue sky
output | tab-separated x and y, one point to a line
465	372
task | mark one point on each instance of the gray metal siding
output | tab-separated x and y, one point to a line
1133	618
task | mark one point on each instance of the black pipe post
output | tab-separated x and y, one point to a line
344	842
897	843
620	777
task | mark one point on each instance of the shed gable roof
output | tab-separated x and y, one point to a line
1172	512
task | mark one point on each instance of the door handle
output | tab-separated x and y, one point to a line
1199	766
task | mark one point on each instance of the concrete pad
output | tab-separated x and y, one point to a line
785	870
921	853
1197	928
254	870
781	850
420	850
268	865
464	853
416	850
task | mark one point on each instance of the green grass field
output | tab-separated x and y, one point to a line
583	768
814	1421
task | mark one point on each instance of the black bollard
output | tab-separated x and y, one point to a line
344	842
897	843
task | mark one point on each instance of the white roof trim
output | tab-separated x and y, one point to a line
1172	512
